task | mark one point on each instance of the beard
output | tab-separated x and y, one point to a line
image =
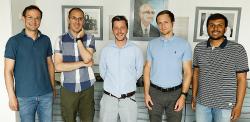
216	38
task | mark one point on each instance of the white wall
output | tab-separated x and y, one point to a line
17	7
52	21
6	114
52	24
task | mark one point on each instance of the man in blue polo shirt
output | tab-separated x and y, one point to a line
167	72
73	57
28	62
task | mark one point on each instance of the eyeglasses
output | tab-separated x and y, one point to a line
148	12
30	18
76	19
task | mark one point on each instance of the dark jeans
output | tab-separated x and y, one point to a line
82	102
164	101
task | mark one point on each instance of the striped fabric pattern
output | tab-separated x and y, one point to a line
217	72
79	79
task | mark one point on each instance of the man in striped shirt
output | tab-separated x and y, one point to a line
219	76
73	57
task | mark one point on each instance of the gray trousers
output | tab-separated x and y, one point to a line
164	101
112	108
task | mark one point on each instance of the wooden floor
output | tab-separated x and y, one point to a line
188	114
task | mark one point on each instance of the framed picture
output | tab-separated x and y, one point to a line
93	16
143	26
231	13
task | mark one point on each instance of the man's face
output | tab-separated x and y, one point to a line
216	29
120	30
146	14
76	21
32	20
165	25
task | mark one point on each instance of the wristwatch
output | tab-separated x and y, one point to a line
78	39
184	93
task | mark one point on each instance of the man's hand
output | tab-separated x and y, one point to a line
180	103
80	34
13	103
236	111
54	92
148	101
193	103
90	64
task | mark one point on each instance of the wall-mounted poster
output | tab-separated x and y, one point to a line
93	16
231	13
143	26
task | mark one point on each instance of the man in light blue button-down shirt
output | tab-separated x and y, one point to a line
121	65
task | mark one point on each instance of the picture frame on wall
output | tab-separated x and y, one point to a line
142	22
93	16
233	15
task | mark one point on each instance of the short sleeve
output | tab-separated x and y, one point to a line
195	57
241	60
187	52
11	49
49	51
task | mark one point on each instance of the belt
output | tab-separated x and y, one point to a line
166	89
123	96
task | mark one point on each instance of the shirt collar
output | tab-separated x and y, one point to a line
126	45
71	35
222	45
167	40
24	34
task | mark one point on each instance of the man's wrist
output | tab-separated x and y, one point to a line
184	94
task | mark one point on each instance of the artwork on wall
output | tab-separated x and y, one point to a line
233	15
93	16
181	27
143	26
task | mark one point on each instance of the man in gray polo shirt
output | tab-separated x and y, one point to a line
219	77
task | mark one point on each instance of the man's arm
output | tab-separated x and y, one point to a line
61	66
187	68
146	77
51	69
9	83
241	91
85	53
139	64
195	86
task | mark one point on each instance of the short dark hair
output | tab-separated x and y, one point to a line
217	16
170	14
119	18
32	7
75	9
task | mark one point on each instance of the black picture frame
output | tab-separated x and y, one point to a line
93	20
233	15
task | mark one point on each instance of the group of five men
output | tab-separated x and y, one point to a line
218	77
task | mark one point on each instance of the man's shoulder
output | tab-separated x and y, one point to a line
108	46
15	38
201	44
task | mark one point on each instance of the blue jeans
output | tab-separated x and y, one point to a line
206	114
28	106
